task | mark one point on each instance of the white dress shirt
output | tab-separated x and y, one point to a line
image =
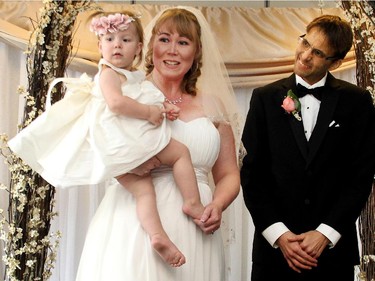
309	110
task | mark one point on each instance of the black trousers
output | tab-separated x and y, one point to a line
269	272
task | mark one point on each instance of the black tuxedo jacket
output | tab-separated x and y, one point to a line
286	178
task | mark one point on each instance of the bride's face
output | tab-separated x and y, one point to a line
173	54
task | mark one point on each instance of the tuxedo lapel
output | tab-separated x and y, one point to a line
327	107
296	126
298	131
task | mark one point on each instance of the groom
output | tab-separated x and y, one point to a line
310	163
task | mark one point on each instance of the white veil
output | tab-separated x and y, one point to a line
213	85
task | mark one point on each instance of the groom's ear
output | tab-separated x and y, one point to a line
335	64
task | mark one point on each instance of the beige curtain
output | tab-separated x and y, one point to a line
257	46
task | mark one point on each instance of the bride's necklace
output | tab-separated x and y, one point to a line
174	102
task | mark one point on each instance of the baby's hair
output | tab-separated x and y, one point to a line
135	19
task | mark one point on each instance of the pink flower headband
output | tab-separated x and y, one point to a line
112	23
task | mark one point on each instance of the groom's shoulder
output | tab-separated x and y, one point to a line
274	87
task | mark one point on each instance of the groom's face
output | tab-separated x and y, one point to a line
311	61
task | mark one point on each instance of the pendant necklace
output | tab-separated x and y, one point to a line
174	102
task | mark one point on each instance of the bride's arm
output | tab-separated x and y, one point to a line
227	180
225	171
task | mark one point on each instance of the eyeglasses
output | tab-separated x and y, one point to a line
305	45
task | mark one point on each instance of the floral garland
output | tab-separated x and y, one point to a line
362	18
29	247
361	15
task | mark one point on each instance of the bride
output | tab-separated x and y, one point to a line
184	63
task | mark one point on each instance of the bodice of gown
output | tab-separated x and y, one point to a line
203	141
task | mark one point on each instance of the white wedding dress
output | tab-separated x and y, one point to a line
118	249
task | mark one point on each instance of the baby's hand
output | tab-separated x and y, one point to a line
172	111
156	115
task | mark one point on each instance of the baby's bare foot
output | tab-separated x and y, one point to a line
194	210
167	250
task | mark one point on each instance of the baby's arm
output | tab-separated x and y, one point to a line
110	84
172	111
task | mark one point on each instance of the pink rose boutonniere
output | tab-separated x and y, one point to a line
292	105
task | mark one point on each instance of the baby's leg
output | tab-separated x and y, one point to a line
177	155
143	191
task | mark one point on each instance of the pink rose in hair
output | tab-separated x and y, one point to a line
105	23
125	21
110	24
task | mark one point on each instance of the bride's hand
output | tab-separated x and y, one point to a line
146	167
211	219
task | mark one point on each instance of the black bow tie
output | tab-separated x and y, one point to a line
303	91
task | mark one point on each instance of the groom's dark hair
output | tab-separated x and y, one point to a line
338	31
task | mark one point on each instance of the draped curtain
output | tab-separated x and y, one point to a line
257	46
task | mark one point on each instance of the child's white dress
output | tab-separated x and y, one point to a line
79	141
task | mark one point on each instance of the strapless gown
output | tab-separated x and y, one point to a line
118	249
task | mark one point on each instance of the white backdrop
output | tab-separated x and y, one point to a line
77	206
